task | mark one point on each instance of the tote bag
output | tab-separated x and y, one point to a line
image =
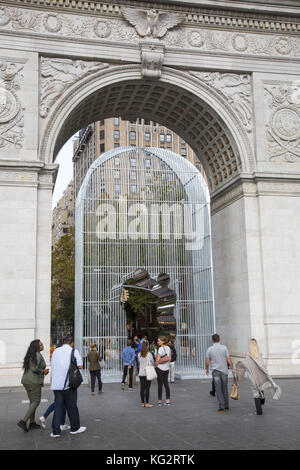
235	393
150	371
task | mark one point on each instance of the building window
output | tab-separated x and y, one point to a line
169	138
183	152
101	123
132	135
102	135
183	142
133	162
162	138
147	122
116	145
117	135
117	174
117	160
133	175
148	162
116	121
102	148
133	188
147	137
117	188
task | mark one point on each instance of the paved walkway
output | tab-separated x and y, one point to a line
115	420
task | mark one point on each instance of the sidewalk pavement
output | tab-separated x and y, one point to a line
116	421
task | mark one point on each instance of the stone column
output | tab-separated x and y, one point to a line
256	252
25	270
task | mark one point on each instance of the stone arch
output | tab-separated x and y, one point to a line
179	101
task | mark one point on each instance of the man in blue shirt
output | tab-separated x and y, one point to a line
128	357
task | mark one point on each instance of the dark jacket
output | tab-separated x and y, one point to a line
94	358
35	374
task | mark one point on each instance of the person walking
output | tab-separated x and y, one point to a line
128	357
162	364
218	358
64	395
145	359
172	362
35	370
259	377
94	359
50	409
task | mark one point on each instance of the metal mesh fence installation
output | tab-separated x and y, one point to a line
143	208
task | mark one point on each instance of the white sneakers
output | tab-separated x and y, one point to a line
80	430
65	428
42	422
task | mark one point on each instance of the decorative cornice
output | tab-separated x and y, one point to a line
204	17
254	186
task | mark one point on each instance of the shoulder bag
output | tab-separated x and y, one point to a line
74	374
164	358
150	370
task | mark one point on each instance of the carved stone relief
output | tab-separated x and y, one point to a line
283	122
236	88
11	111
131	24
152	58
59	74
243	43
152	23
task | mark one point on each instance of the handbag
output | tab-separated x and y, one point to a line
164	358
150	371
74	374
235	392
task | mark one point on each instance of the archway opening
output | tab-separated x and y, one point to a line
172	106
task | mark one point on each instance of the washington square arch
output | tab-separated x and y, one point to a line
224	75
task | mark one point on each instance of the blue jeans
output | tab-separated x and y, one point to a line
221	386
94	374
65	399
50	409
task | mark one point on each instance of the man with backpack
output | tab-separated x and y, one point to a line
65	393
172	362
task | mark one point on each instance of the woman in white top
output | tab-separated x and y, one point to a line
145	359
162	369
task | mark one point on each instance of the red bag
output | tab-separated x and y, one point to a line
164	358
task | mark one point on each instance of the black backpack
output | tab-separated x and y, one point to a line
74	374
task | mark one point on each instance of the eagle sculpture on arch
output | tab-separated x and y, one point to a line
151	23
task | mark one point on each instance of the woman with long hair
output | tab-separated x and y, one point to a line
94	359
145	359
33	380
259	377
162	363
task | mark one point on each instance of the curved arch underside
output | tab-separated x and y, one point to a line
178	109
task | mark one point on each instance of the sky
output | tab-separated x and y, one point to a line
65	172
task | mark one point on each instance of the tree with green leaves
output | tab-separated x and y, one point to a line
63	278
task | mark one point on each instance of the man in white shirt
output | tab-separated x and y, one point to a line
64	395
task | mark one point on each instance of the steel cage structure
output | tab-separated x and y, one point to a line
143	208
